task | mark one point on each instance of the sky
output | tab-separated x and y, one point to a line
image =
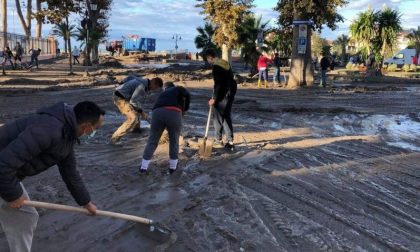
165	18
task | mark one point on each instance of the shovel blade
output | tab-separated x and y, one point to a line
202	147
209	148
156	232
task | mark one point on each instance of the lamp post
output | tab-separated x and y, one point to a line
176	37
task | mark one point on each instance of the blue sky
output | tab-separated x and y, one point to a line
162	19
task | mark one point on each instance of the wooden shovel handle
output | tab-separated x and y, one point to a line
59	207
208	122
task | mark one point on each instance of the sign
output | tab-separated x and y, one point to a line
303	41
260	38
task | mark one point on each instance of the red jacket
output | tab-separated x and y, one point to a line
263	62
414	60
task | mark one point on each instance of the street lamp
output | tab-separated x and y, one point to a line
176	37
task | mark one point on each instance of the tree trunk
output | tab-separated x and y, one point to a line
65	45
226	53
69	44
38	30
301	70
4	22
26	26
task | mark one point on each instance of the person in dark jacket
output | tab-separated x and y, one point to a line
277	65
18	54
223	97
167	114
325	64
31	145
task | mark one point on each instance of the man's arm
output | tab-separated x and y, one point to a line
30	143
137	96
220	88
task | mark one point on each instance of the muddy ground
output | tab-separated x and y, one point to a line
333	169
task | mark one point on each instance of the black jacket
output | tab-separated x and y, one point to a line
325	63
224	83
174	97
33	144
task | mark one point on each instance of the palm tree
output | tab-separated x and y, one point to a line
377	32
342	42
60	30
248	35
204	39
414	37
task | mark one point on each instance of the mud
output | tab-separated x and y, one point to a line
314	170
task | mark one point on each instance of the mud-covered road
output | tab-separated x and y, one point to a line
314	170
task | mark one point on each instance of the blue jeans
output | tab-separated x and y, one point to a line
263	74
276	76
323	77
222	119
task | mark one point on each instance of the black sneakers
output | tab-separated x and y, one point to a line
143	171
230	146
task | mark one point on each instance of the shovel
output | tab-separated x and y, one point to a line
154	230
206	145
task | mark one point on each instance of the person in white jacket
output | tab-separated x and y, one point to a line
76	55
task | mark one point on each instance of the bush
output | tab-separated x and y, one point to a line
392	68
413	68
406	68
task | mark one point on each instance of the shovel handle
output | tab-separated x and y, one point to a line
208	122
66	208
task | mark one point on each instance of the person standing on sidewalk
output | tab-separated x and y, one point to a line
325	64
277	65
31	145
167	114
128	98
262	65
223	96
34	57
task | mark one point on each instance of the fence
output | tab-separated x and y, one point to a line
47	45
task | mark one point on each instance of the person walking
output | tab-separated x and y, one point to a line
262	65
277	65
33	144
128	98
325	64
18	54
167	114
414	60
7	57
76	55
223	96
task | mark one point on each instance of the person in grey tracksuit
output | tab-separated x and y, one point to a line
167	114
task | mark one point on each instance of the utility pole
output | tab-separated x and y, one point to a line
176	37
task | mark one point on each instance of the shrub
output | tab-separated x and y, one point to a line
349	66
413	68
406	68
392	68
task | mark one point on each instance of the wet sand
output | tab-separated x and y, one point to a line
314	170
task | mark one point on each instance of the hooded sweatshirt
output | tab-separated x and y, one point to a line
31	145
224	83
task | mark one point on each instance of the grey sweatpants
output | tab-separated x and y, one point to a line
18	225
162	119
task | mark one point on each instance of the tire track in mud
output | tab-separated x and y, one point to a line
325	216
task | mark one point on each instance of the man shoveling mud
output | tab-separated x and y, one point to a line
33	144
223	97
129	97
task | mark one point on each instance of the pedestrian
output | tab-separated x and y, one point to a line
34	57
414	60
277	65
223	96
18	54
196	56
167	114
262	65
33	144
76	55
325	64
57	53
128	97
7	57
